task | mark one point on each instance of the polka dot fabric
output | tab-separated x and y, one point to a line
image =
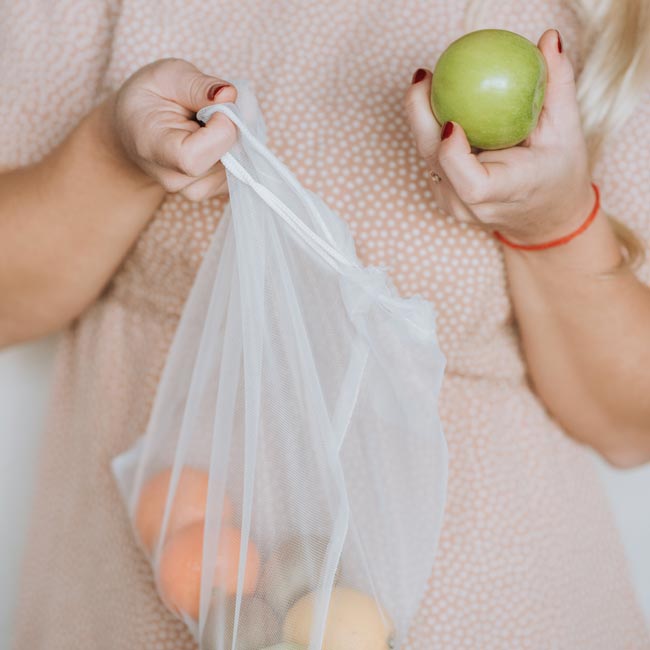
529	555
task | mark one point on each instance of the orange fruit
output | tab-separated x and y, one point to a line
355	621
189	505
181	561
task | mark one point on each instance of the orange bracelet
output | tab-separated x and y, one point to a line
561	240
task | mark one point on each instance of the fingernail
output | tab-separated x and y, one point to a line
418	75
559	42
214	89
447	130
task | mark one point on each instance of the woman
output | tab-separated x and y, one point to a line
547	350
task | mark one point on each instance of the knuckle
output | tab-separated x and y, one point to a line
172	64
141	74
192	193
427	146
197	88
187	165
229	131
165	69
519	192
408	101
172	184
486	213
467	196
141	149
127	100
472	193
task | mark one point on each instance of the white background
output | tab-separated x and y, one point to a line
24	377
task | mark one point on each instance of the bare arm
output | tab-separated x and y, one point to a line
67	222
65	225
586	338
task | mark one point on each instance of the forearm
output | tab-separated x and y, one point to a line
586	339
66	223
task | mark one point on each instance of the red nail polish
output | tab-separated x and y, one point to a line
418	75
559	42
447	130
214	89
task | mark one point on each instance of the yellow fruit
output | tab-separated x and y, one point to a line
189	505
355	621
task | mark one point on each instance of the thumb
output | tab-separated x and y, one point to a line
194	151
463	169
560	100
183	83
424	127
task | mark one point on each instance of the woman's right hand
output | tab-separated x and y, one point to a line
153	122
68	221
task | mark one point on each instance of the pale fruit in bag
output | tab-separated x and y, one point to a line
355	621
492	82
181	562
190	499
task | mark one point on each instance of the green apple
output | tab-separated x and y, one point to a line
491	82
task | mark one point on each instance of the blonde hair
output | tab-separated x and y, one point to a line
615	49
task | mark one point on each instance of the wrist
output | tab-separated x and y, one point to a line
574	217
91	161
596	250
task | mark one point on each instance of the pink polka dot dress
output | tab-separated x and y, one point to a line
529	556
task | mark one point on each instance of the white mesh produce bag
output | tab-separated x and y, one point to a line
290	486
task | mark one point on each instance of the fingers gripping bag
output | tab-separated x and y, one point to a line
290	485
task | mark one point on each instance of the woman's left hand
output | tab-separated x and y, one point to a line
531	193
